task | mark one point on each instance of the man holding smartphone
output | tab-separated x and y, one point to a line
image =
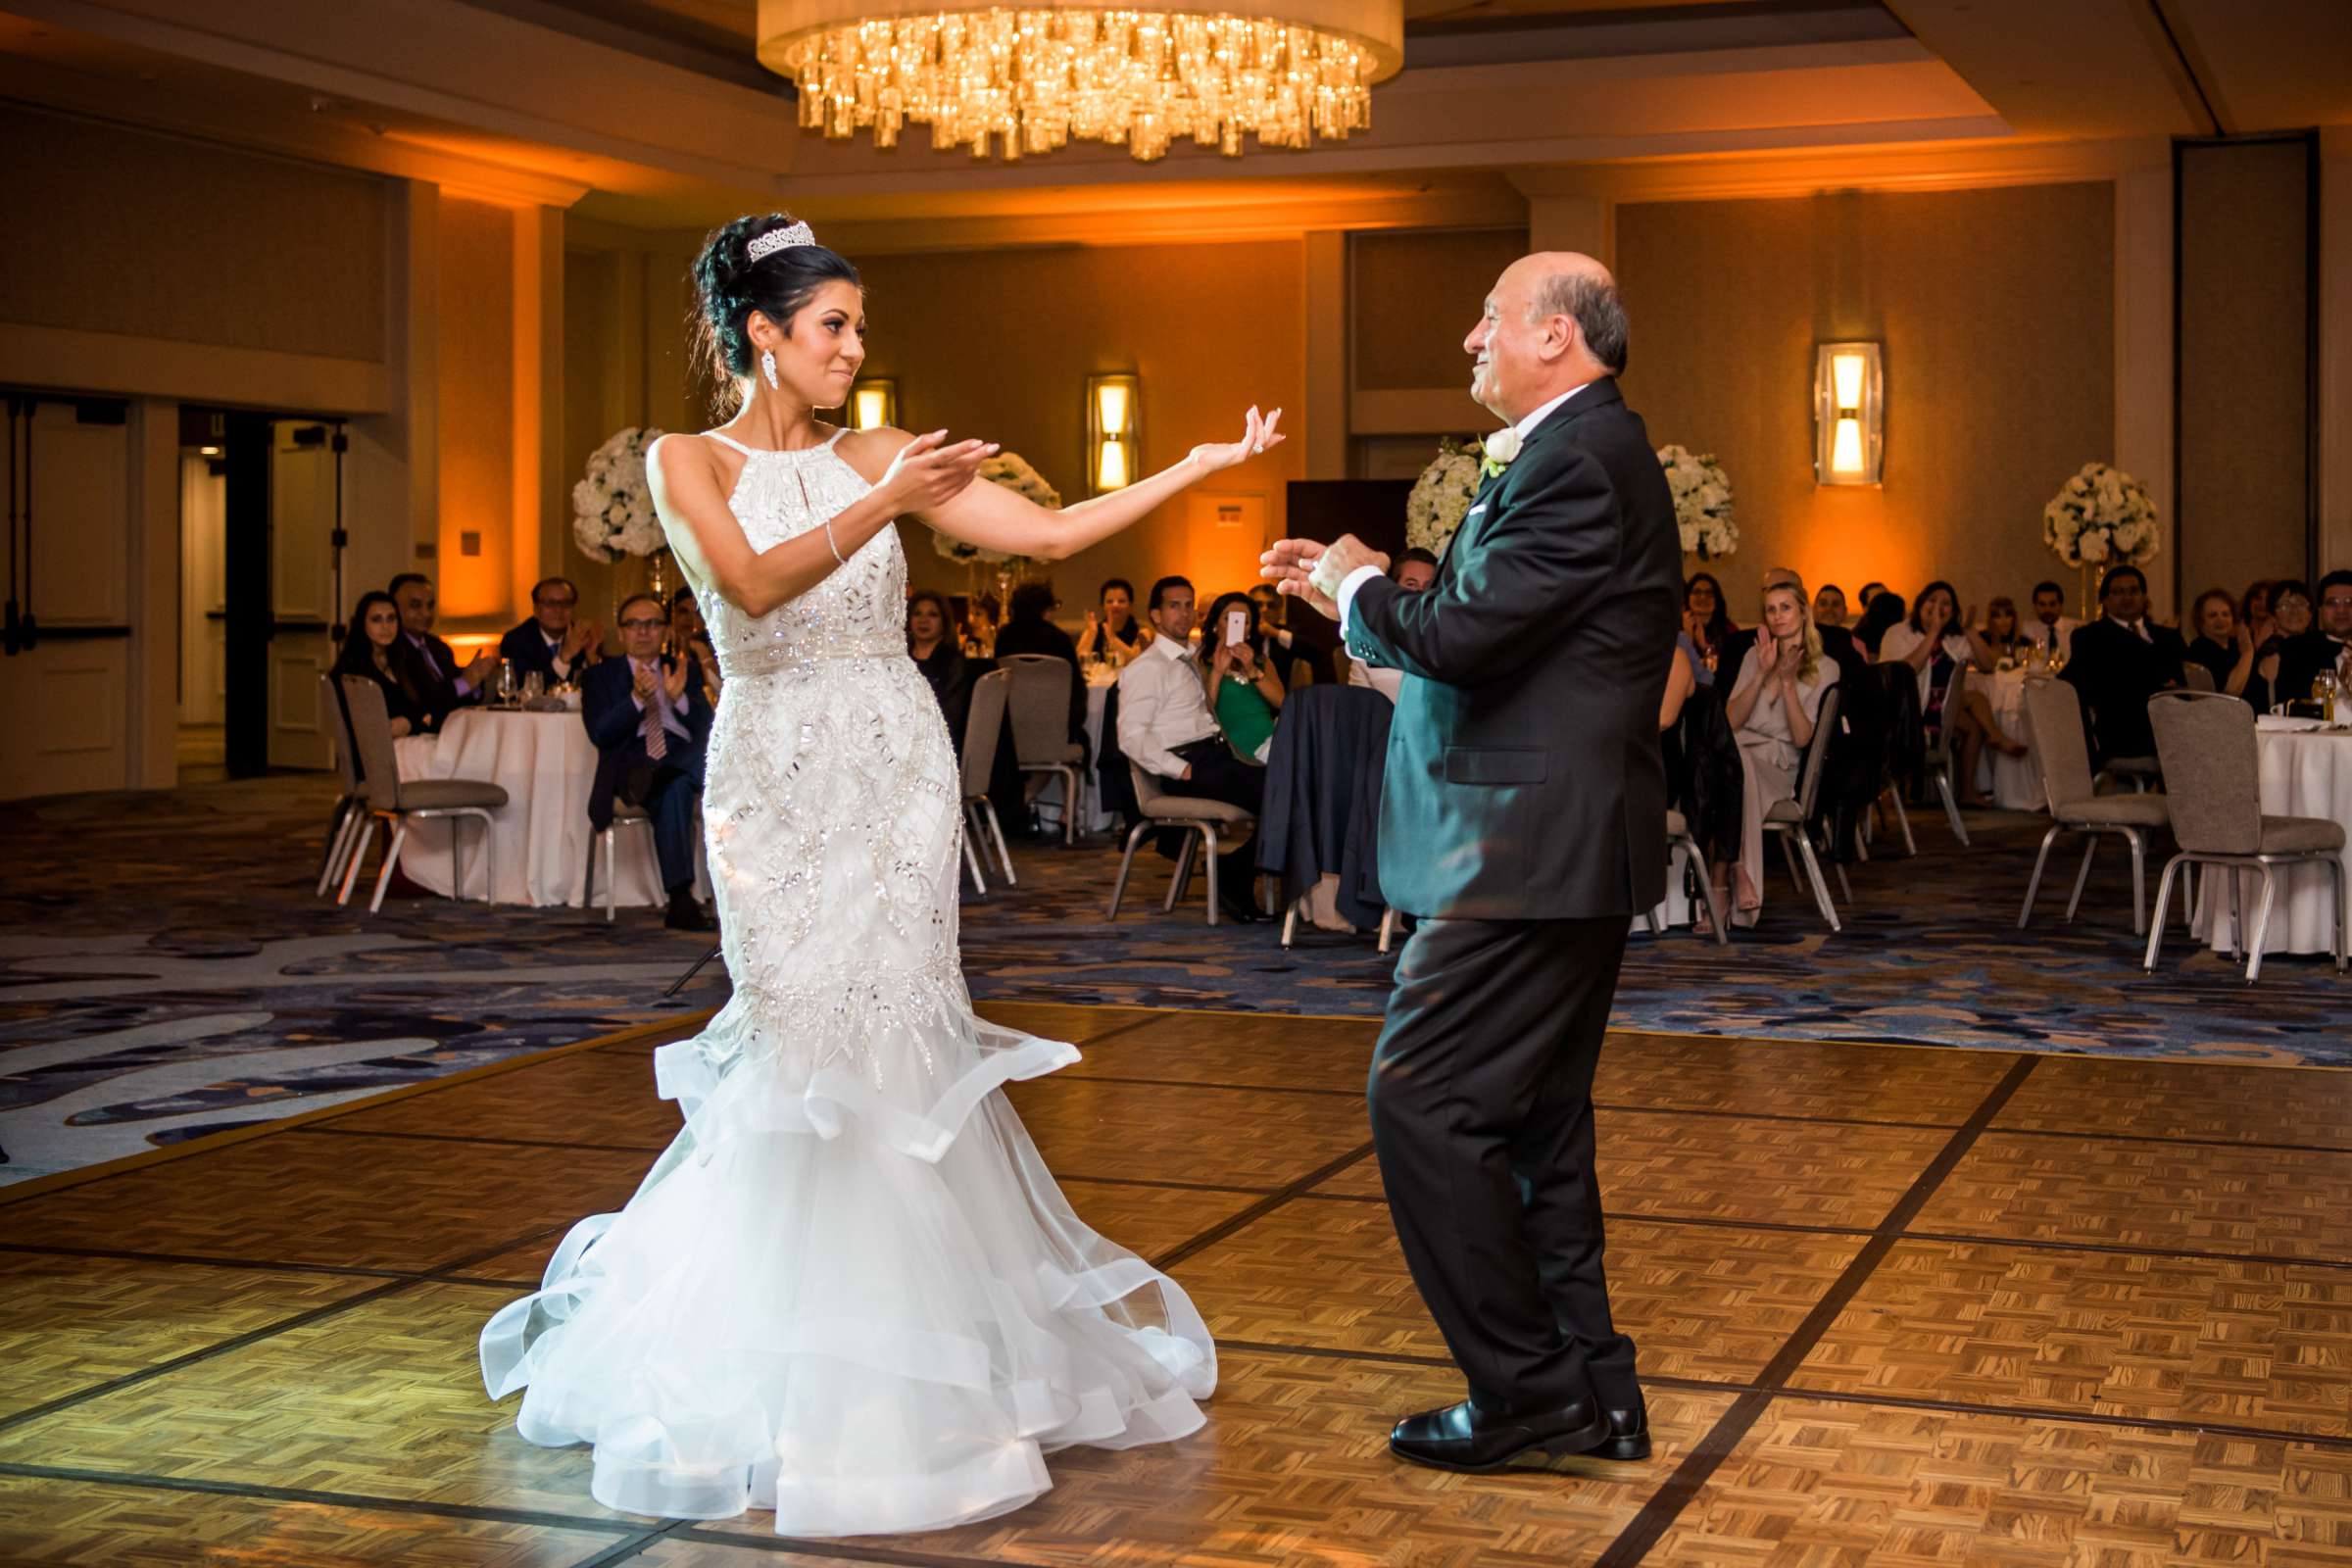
1168	729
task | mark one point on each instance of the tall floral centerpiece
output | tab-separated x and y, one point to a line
2101	517
1441	496
612	507
1702	502
1018	475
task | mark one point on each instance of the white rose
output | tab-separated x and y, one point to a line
2093	546
1503	446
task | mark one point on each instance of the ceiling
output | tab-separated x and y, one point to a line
654	113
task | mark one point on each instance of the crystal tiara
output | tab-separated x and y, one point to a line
778	239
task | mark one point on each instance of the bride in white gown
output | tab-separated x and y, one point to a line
849	1290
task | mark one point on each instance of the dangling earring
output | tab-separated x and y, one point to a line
767	367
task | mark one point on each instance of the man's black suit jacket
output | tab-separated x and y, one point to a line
1524	776
525	648
2117	671
615	724
2301	658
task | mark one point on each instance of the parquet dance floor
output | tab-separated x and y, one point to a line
1894	1307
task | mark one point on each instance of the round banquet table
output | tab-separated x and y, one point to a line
2305	771
2014	782
540	839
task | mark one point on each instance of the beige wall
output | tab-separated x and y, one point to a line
1996	309
2245	361
1000	344
1416	296
476	328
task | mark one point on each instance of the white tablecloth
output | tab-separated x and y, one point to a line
1049	801
2304	774
2015	782
540	841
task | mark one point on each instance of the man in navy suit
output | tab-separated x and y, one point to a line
1524	821
552	644
650	721
448	685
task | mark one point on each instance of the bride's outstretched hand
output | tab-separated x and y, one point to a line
1258	434
928	473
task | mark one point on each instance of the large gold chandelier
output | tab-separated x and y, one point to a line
1021	82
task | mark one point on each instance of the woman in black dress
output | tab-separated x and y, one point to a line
373	650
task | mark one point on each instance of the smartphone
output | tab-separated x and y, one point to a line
1237	627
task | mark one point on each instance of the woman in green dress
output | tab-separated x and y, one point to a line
1243	685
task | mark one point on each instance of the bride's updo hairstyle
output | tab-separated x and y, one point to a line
729	285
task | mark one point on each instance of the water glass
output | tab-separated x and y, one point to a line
534	686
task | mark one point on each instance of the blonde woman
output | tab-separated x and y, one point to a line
1773	708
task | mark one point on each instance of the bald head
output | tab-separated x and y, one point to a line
1552	324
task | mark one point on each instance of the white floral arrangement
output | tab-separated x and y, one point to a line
1441	496
612	507
2101	516
1702	502
1016	474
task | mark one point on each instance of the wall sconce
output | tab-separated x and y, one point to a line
1112	430
1850	407
873	404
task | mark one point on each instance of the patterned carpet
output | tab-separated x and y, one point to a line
166	972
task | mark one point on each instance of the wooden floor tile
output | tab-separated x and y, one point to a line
594	1097
2251	1345
1052	1022
2185	1100
1326	1054
71	1323
383	1401
1821	1483
372	1202
2285	1203
112	1525
1151	1220
1145	1132
1796	1078
697	1554
1294	1470
1716	1168
1700	1300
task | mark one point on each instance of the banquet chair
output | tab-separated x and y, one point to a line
1041	729
2054	718
2200	679
1791	820
624	816
1682	849
2214	779
1197	818
983	722
399	802
343	826
1942	757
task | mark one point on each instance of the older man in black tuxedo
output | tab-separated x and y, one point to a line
2118	661
553	644
1524	821
650	721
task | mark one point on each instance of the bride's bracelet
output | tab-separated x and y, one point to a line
839	560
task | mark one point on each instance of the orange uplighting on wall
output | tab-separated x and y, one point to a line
874	404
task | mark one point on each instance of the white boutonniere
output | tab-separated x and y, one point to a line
1501	447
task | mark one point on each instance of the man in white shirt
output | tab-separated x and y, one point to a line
1167	728
2051	626
1417	571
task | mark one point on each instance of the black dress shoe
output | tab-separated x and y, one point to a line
1629	1435
1461	1437
686	915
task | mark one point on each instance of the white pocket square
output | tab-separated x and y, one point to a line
1474	511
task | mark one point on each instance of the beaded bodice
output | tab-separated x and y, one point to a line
859	612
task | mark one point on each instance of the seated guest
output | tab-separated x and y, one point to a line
1681	679
1828	605
1880	612
649	719
1705	621
1870	591
445	684
1167	728
932	643
2254	610
1775	700
552	644
2120	661
1417	571
2290	617
2051	626
374	650
1935	644
691	639
2224	646
1111	630
1275	641
2005	637
1246	692
1030	630
2325	648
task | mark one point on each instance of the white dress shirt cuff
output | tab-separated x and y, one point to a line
1346	597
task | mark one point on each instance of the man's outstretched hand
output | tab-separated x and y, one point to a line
1312	571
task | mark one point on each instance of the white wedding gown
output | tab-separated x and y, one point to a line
849	1290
